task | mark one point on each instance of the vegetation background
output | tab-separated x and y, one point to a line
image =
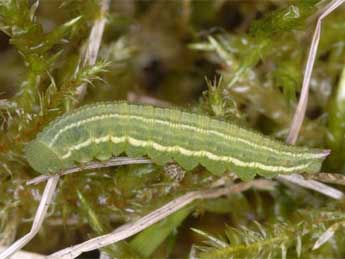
240	61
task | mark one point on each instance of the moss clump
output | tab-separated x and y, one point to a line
160	52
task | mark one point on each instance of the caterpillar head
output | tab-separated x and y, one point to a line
42	158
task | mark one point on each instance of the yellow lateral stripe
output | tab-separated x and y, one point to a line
184	151
182	126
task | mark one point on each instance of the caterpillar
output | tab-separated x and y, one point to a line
103	130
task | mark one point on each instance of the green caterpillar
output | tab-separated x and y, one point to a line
103	130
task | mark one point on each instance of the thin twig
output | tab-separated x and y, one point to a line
303	100
131	229
94	43
116	161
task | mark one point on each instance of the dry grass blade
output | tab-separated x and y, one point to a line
94	43
131	229
332	178
313	185
24	254
302	105
41	212
303	101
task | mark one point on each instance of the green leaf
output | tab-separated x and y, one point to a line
149	240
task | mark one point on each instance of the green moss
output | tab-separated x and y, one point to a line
161	52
